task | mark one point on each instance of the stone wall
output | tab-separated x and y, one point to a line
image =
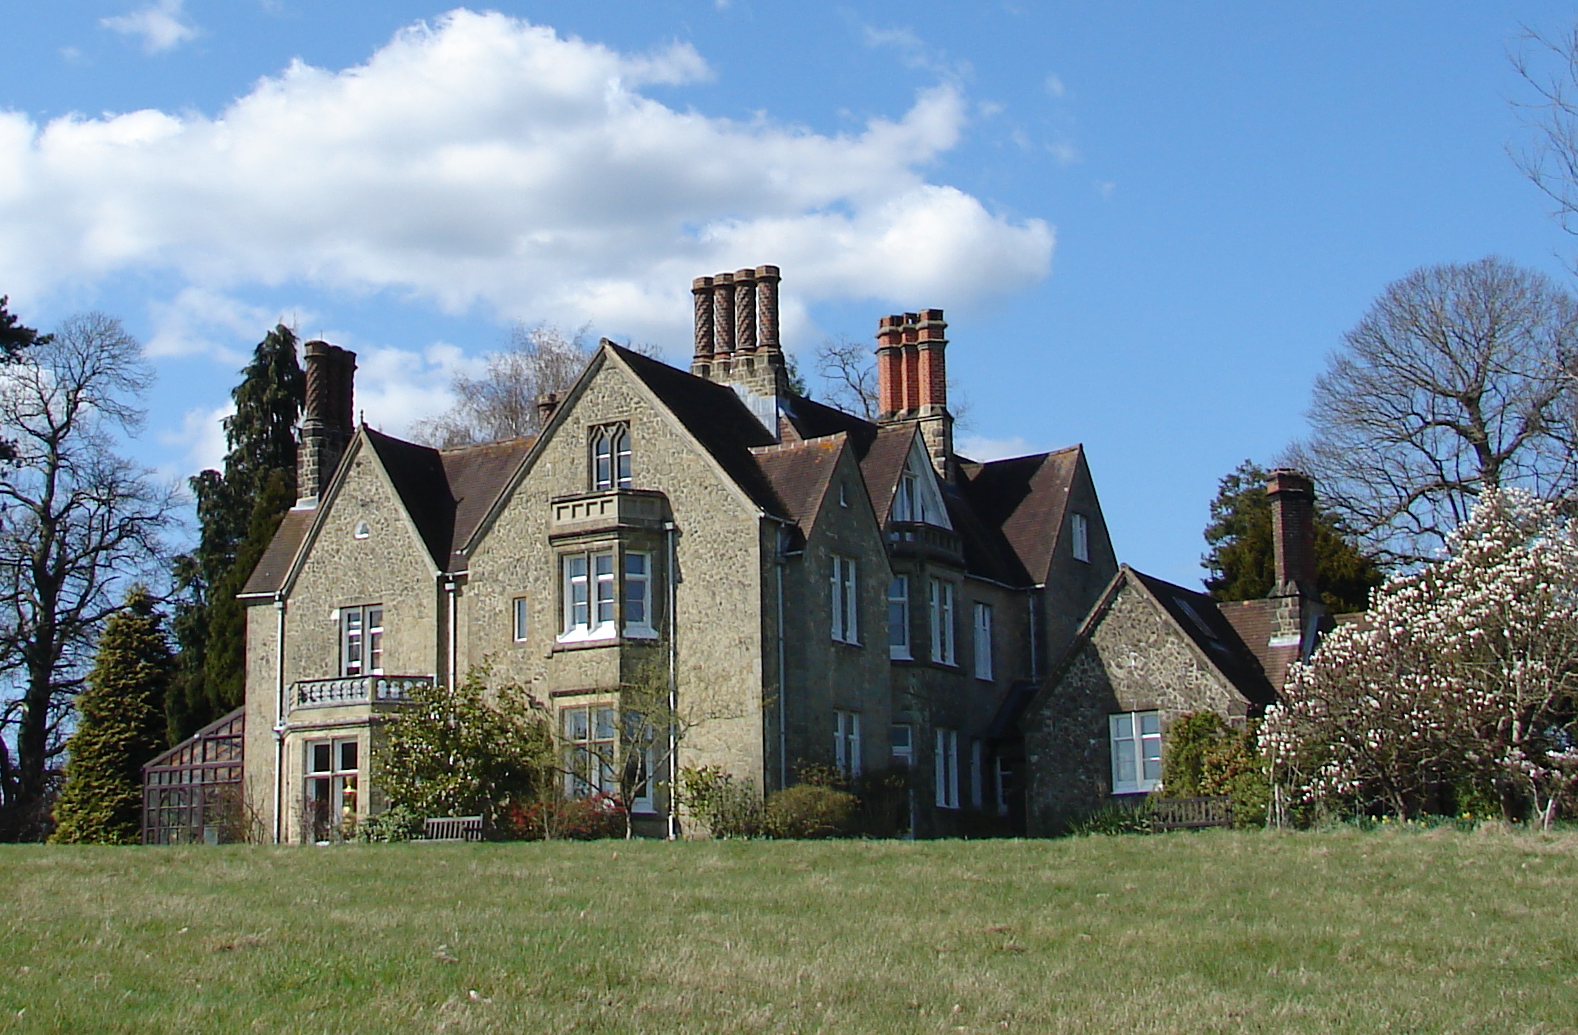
1136	659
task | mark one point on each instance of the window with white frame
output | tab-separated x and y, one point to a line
846	742
845	600
942	645
983	640
611	457
916	498
902	744
518	614
640	735
638	594
362	640
899	617
1003	780
1079	530
332	770
1136	751
945	771
591	742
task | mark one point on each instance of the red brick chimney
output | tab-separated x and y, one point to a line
912	379
1292	496
326	423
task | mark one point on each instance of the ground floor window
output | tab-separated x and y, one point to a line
602	759
1136	751
945	772
903	746
846	743
333	768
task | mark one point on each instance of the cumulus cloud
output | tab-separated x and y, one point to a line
483	160
161	26
983	449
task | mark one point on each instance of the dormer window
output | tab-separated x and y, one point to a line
916	497
610	457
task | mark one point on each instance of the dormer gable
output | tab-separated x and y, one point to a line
916	496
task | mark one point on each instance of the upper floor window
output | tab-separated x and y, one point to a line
845	600
942	645
1079	530
611	457
518	615
916	497
1136	751
362	640
983	640
899	617
591	595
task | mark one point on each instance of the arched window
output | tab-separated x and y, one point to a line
610	457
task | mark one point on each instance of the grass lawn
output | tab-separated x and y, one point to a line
1216	931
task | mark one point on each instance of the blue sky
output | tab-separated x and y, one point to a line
1149	223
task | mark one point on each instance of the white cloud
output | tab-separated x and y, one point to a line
199	444
917	53
1064	153
161	25
1055	85
983	449
198	321
1105	188
484	160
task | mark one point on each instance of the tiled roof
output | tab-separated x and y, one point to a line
476	476
800	474
717	419
417	473
1218	638
811	419
1025	497
269	574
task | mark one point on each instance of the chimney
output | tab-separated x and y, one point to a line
745	311
912	379
701	363
767	278
890	372
546	405
722	321
1292	497
326	425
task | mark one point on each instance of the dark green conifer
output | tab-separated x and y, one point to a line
1242	558
120	726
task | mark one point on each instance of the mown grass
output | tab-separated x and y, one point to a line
1213	932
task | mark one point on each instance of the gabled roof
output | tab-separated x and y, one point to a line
1193	614
1202	620
883	462
1025	497
800	473
417	473
716	418
477	475
811	419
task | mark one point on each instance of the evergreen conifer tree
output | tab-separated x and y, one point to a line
120	726
257	487
1242	557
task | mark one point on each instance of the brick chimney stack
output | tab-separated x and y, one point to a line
326	423
737	341
1292	496
912	379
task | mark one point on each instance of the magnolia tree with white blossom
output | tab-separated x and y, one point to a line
1463	674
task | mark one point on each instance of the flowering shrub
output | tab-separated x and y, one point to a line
573	819
1463	674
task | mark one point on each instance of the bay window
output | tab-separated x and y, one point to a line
599	584
332	770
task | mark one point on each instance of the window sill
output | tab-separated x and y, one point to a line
900	654
1124	790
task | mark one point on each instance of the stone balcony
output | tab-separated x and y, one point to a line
612	510
351	690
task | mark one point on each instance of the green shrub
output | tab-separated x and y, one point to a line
1204	756
396	823
725	806
809	810
1119	817
884	801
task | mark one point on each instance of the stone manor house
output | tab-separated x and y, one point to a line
808	587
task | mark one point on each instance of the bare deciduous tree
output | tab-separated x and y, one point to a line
1549	64
848	370
76	520
502	403
1456	381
